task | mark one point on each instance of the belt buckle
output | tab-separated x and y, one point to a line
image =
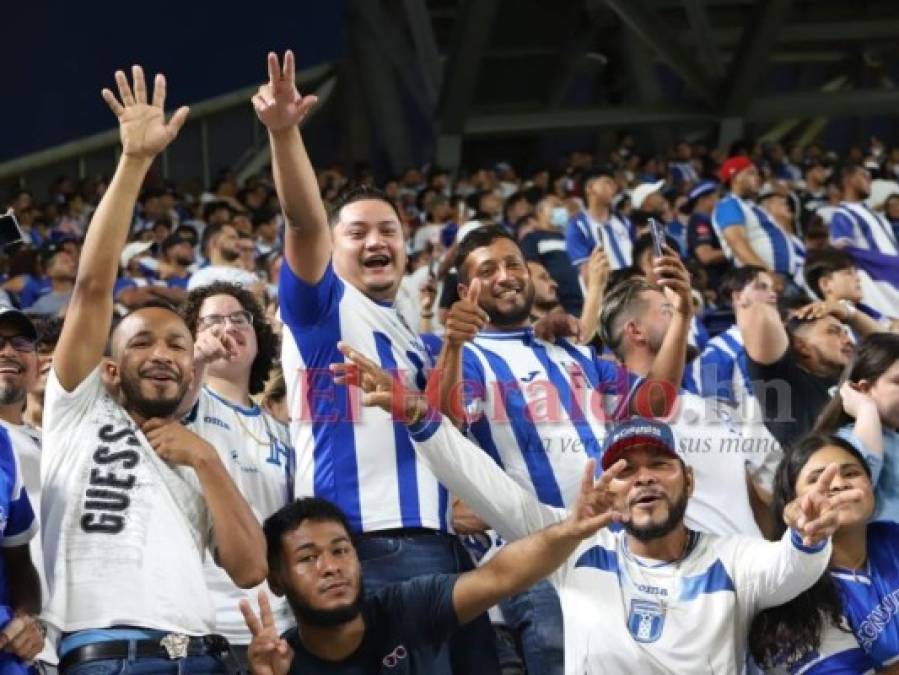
175	645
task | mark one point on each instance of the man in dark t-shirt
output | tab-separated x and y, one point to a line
794	367
341	630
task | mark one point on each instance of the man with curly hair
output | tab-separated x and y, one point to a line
236	346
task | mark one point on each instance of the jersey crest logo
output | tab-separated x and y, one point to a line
645	621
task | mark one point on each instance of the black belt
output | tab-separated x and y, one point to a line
401	532
172	646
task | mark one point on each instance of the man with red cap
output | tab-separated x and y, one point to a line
633	597
749	236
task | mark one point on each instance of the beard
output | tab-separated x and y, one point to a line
652	531
184	260
324	618
229	254
133	400
515	316
10	394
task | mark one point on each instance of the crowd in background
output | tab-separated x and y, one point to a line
767	277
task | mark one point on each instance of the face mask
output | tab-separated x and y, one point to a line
560	216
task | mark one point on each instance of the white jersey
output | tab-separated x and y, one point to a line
722	447
854	224
623	614
255	449
125	533
720	371
537	408
357	458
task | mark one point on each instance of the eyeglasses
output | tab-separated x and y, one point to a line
240	319
18	342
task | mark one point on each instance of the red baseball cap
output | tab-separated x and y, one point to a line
732	166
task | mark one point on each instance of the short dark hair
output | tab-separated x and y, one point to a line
266	340
152	303
48	330
738	278
359	193
210	232
478	238
845	172
825	263
290	517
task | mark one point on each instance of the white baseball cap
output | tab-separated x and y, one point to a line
642	191
135	248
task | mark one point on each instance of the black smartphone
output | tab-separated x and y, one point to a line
10	232
658	237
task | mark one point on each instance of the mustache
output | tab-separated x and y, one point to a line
648	492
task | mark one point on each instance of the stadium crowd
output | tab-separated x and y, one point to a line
456	422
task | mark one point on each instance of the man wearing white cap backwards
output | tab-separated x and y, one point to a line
632	598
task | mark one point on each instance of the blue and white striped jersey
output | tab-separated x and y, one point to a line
854	224
720	371
871	597
776	248
538	408
356	457
616	236
838	654
17	521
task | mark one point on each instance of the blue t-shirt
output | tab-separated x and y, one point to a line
550	250
884	471
405	626
33	289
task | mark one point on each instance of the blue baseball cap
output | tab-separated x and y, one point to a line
637	431
699	190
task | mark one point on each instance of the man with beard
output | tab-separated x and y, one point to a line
132	499
253	445
747	234
853	223
729	450
343	630
23	585
340	282
176	260
546	297
534	406
654	597
220	246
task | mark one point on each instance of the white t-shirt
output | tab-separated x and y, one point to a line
125	533
255	449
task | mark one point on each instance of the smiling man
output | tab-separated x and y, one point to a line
340	280
632	599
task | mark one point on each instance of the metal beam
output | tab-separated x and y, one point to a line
807	32
646	25
861	102
584	118
756	45
425	43
698	18
470	37
381	29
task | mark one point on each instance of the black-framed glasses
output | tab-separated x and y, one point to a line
241	319
18	342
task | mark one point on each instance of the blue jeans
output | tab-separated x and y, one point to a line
389	560
193	665
535	618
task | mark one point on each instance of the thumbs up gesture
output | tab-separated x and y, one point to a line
465	317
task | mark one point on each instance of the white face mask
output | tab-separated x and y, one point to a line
560	216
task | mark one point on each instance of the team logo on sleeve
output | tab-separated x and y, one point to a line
645	620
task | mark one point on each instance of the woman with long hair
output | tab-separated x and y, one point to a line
846	622
874	373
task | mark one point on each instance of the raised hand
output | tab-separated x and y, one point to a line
269	653
465	318
142	125
674	279
598	268
815	515
854	400
212	345
594	507
278	103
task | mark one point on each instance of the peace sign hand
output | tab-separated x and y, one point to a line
279	104
815	515
142	125
594	508
269	654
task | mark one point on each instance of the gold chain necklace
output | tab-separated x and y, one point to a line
265	443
